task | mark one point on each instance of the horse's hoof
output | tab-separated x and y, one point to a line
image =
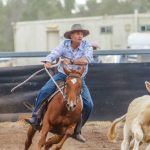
55	147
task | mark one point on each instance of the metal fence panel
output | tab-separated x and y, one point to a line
112	87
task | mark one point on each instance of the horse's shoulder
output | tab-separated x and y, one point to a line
61	85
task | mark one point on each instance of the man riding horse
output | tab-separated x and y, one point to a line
76	52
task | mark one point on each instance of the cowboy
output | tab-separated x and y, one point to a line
95	45
76	52
97	58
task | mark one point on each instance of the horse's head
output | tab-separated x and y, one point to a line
73	86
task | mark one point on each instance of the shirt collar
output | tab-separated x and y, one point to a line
80	46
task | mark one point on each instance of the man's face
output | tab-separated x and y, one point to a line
77	36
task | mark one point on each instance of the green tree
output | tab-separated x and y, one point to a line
143	6
69	6
110	7
26	10
10	13
42	9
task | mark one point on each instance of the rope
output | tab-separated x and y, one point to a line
55	65
54	81
12	90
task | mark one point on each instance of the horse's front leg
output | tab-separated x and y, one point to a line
30	134
44	131
53	140
68	133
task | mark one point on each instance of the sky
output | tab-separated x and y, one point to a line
80	1
77	1
4	2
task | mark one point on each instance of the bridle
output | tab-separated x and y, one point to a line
64	94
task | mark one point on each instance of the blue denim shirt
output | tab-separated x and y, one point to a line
64	50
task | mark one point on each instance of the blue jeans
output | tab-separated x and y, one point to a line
50	87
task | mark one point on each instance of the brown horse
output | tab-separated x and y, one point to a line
62	114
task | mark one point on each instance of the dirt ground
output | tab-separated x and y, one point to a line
13	134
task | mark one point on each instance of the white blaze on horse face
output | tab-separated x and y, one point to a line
74	80
71	104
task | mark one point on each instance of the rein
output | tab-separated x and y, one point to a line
55	83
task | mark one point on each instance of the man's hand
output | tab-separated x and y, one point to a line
66	61
47	65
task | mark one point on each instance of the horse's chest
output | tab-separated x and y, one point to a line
68	119
65	120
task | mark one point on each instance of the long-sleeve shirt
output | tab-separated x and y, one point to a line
64	50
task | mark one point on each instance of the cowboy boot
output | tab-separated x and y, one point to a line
79	137
34	121
37	117
77	133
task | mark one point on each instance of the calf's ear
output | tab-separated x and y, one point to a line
147	84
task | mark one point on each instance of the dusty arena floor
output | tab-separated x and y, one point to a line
13	134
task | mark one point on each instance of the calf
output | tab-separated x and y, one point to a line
137	124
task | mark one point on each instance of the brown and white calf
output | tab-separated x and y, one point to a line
137	124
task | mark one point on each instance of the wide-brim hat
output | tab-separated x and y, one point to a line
76	28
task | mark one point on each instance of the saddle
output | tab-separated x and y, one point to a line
43	107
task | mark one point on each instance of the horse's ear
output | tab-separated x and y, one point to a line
81	70
66	70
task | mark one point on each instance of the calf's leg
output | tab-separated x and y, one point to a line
148	147
125	145
138	134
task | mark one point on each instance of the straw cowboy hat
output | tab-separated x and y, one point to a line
75	28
